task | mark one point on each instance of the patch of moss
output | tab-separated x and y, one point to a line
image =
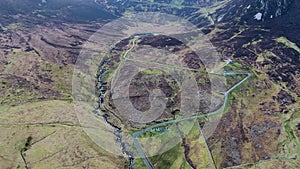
288	43
167	159
139	164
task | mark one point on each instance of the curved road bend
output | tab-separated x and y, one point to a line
220	110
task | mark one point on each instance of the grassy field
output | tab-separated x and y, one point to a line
288	43
48	134
174	158
198	153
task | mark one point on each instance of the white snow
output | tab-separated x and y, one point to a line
220	18
249	6
228	61
258	16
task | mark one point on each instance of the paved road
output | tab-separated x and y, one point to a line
220	110
226	94
129	50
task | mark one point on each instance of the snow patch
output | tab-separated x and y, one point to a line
228	61
220	18
258	16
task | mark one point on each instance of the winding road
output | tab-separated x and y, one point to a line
220	110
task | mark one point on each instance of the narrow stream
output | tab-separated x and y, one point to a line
117	130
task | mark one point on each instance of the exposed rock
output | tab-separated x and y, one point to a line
284	98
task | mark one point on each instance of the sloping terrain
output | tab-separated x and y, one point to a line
41	40
260	124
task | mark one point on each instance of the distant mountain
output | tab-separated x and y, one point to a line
60	10
273	8
205	12
281	16
246	10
